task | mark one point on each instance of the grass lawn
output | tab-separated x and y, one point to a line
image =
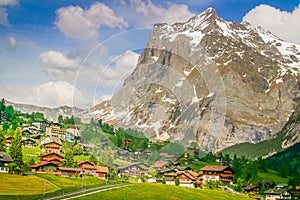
272	175
24	185
160	192
81	157
29	153
68	184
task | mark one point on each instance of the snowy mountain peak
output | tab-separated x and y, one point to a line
179	97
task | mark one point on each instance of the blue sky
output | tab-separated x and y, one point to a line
79	52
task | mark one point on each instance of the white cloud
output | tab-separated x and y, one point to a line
281	23
78	23
50	94
3	13
121	66
8	2
3	17
59	93
148	13
59	65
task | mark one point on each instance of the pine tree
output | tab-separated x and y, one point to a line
68	161
15	151
2	144
177	181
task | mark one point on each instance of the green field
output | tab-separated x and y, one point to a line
68	184
33	187
161	192
29	153
272	175
24	185
252	151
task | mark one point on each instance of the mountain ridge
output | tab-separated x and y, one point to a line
209	81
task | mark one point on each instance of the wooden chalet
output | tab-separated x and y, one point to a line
90	168
69	171
49	163
29	143
51	157
252	189
160	165
45	167
52	147
5	159
278	193
134	169
221	173
101	172
83	163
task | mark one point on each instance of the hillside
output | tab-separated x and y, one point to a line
161	192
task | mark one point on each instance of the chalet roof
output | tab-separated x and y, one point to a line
53	142
43	164
217	168
188	175
140	164
70	169
102	169
191	172
51	153
5	157
160	163
251	187
275	191
85	161
52	139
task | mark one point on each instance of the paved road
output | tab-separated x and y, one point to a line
89	191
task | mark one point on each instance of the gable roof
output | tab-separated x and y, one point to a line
160	163
5	157
274	191
217	168
43	164
102	169
140	164
85	161
48	154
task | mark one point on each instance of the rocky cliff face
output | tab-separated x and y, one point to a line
209	81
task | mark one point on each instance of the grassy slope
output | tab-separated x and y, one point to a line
253	151
160	192
29	153
32	187
23	185
71	183
272	175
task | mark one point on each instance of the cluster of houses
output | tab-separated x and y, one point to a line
186	175
50	163
53	134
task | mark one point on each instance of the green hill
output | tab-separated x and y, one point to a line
161	192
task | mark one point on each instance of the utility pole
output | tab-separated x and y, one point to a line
82	179
44	189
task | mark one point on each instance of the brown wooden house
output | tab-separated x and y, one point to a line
5	159
52	156
221	173
52	147
45	167
68	171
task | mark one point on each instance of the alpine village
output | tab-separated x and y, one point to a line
93	154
